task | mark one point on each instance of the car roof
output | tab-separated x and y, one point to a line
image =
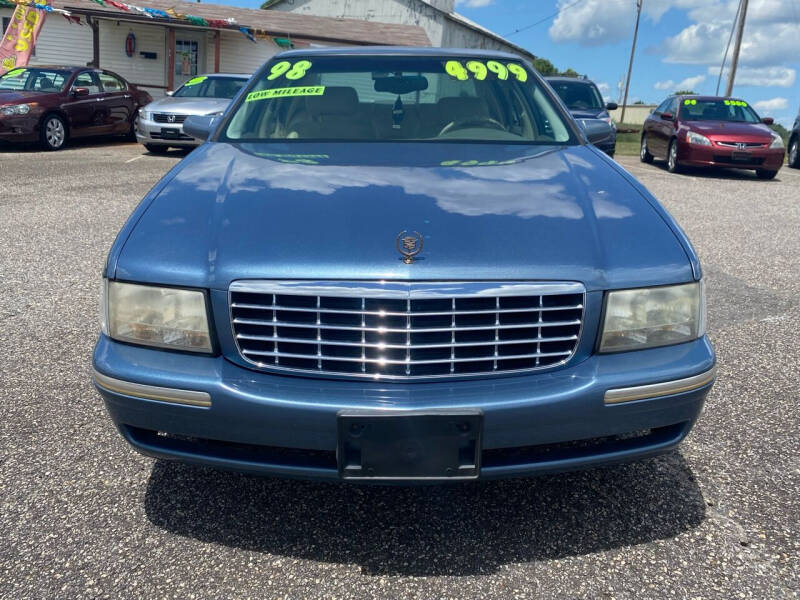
231	75
701	97
565	78
399	51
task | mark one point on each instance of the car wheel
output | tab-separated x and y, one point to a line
764	174
673	166
156	148
53	133
794	153
644	153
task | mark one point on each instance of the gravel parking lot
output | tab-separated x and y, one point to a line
83	516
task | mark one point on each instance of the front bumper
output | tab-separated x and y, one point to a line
163	134
285	425
20	128
724	156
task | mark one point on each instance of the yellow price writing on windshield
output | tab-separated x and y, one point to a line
480	69
735	103
291	71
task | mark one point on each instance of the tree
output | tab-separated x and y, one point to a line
545	67
570	73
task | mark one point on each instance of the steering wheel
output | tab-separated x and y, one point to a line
471	122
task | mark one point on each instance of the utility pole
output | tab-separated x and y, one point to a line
737	47
630	63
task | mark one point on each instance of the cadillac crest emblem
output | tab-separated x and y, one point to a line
409	245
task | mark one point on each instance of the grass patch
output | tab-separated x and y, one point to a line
628	143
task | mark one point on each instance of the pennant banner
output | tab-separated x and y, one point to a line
20	37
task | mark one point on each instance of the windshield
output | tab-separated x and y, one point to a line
207	86
34	80
382	98
578	95
718	110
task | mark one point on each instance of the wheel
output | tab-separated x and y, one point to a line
794	153
53	133
156	148
673	166
644	153
764	174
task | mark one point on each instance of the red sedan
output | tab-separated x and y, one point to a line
52	104
707	131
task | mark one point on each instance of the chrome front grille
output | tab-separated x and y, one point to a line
401	330
742	145
165	118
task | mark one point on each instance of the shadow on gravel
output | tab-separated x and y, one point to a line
437	530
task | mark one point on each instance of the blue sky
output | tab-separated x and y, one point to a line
680	46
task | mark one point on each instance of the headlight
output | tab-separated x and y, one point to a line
696	138
156	316
777	143
16	109
610	121
650	317
145	115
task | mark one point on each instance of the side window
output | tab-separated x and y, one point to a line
662	107
87	79
4	25
111	83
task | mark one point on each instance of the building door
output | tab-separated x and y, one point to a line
190	56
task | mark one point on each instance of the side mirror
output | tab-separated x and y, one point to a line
80	91
612	106
667	116
596	130
768	120
170	92
199	126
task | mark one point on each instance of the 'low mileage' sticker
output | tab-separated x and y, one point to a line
480	69
316	90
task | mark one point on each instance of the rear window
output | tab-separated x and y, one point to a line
34	80
380	98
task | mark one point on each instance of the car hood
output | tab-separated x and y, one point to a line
188	106
334	211
593	113
727	130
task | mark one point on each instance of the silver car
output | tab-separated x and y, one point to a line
160	123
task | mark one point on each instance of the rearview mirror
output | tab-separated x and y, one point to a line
199	126
667	116
401	85
768	120
596	130
80	91
612	106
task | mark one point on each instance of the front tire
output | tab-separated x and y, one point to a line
53	133
673	166
764	174
644	153
156	148
794	153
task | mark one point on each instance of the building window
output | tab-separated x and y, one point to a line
6	21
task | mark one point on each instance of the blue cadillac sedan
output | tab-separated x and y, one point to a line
401	265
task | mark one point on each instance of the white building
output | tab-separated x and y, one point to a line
444	26
167	52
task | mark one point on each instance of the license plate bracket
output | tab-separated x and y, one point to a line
742	157
169	132
396	446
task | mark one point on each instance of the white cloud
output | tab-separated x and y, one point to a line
760	77
771	35
474	3
690	83
768	107
605	89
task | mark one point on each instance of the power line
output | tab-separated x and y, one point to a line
547	18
